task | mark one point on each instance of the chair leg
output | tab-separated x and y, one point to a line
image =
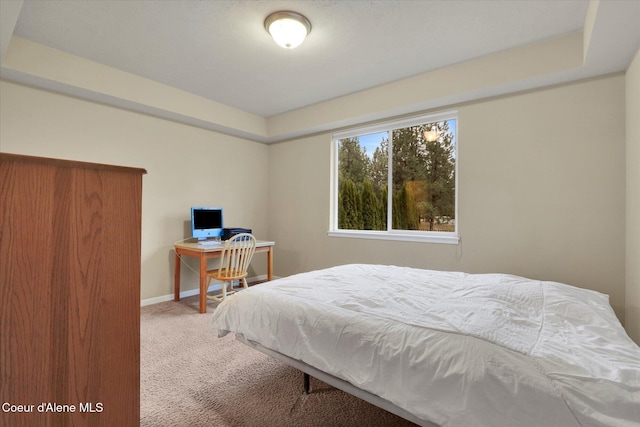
224	290
244	283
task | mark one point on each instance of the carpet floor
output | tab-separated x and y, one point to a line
189	377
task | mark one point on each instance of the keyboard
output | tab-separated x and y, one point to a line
210	244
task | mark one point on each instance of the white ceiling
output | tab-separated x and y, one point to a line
221	51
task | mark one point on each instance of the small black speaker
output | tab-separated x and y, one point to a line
228	233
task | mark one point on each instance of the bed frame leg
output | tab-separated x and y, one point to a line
307	385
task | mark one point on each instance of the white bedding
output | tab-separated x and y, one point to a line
452	348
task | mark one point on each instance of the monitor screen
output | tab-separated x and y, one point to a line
206	222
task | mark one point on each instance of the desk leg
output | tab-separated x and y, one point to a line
203	283
270	263
176	278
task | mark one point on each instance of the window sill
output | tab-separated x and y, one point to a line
443	238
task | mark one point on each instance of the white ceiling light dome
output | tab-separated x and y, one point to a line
288	29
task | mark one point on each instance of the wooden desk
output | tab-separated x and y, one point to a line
204	253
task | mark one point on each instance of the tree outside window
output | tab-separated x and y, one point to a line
418	163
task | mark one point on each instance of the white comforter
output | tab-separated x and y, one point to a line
452	348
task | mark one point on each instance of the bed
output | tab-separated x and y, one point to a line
448	348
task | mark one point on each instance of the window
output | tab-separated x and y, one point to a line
416	159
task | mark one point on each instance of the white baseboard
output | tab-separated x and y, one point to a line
184	294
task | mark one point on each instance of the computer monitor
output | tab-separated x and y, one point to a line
206	222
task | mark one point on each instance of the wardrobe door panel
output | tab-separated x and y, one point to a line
27	339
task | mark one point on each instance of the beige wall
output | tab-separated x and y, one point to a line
542	191
186	166
541	178
632	297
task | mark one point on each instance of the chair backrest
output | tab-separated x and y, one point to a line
236	255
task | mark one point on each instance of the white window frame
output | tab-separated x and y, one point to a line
390	234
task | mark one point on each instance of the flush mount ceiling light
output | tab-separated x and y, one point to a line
288	29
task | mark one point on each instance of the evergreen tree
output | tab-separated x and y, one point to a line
408	157
413	219
440	174
353	163
379	171
399	208
405	211
350	206
371	218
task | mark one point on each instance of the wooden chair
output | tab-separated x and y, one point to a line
234	262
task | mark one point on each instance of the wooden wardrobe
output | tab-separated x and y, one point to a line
70	237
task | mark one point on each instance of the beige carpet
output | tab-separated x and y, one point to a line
189	377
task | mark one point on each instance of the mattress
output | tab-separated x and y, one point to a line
451	348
